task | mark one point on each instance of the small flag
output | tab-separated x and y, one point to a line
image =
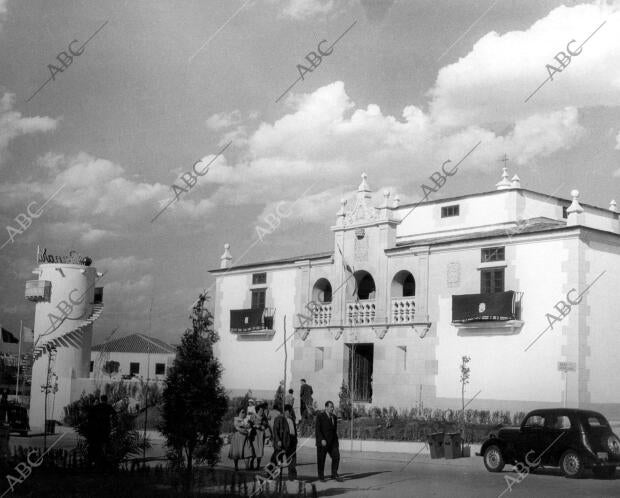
8	337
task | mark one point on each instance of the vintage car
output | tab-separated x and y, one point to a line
571	439
17	417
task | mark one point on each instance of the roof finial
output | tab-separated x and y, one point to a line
226	258
504	183
575	207
364	185
515	182
612	206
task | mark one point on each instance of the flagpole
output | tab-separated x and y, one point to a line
19	353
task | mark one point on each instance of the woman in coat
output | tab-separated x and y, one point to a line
240	447
260	424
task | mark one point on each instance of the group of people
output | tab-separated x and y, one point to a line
257	424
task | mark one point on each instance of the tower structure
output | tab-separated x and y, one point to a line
67	303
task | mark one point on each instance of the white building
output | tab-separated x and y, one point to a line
133	356
408	290
67	303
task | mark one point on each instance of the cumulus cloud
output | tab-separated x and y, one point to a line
222	120
326	137
492	82
13	124
303	9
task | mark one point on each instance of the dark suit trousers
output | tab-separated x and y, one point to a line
334	454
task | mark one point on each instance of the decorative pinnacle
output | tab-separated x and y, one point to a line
364	185
575	207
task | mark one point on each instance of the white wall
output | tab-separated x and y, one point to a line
500	367
252	362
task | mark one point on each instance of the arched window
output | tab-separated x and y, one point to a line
403	284
322	291
364	285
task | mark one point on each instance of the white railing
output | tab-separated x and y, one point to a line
322	315
403	309
361	313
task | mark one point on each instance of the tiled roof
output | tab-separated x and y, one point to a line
136	343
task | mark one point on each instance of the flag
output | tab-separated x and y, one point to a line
348	269
8	337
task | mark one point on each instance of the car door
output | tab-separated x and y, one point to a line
556	433
531	437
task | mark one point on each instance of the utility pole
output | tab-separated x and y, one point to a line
285	360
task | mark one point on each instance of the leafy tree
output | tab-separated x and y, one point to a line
464	380
194	401
345	402
110	368
124	440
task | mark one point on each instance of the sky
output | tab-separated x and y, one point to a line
163	87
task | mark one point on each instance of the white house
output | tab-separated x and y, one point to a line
136	355
521	282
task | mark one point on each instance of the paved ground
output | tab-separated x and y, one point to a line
390	475
396	475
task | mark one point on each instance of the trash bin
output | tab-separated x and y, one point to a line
435	443
453	445
50	427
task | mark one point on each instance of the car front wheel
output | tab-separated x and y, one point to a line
493	459
604	472
571	464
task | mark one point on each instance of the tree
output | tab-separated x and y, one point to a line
124	440
346	408
110	368
194	401
464	381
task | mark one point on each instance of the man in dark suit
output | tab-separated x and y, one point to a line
327	441
285	441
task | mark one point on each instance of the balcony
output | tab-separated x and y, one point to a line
403	309
322	315
361	312
38	290
499	312
253	321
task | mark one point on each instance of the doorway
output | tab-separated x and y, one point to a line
358	369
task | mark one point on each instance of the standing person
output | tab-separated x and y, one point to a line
327	441
260	425
285	441
100	421
305	399
4	407
240	448
289	399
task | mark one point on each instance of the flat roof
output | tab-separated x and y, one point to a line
280	261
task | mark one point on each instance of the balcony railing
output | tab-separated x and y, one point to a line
403	309
499	306
38	290
361	312
322	315
251	320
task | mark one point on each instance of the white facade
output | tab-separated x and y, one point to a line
413	343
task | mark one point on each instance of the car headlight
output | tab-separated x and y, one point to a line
614	445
